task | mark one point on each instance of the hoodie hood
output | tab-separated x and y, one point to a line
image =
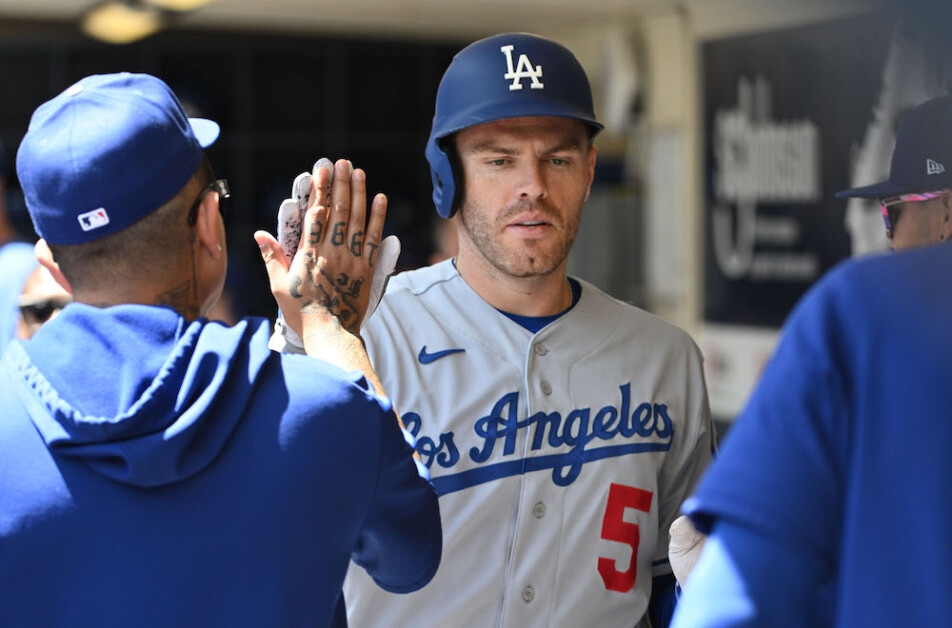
136	392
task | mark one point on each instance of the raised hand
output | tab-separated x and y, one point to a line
330	273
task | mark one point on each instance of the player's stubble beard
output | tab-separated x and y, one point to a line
530	258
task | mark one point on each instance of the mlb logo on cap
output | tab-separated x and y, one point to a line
94	219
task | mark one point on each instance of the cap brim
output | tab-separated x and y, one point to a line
876	190
206	131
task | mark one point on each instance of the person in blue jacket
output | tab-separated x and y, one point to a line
160	469
830	502
17	261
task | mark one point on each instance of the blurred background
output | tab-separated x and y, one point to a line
729	126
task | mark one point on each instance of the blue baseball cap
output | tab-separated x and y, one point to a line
106	152
922	157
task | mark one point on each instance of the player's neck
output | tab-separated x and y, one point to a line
544	295
179	296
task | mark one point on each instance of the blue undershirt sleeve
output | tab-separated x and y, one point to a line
664	597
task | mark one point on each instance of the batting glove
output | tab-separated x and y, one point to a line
684	548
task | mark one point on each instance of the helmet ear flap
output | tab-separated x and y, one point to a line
448	145
444	171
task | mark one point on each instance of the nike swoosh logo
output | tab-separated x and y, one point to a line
427	358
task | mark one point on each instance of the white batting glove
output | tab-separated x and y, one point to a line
684	548
290	227
384	266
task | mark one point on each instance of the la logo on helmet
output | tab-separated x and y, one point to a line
523	70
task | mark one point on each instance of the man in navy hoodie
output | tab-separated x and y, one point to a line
157	468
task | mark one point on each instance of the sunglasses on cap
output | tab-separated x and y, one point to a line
888	201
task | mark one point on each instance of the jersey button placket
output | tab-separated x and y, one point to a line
538	510
546	388
541	349
528	594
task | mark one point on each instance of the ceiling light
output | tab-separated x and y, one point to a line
120	23
179	5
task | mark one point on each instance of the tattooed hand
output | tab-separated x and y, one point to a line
329	276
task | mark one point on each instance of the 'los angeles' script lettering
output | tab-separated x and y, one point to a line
579	429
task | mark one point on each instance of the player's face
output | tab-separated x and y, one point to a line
923	223
525	181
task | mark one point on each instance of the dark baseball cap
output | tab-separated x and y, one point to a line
922	158
105	153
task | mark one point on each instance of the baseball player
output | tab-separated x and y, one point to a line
837	476
916	200
562	428
160	469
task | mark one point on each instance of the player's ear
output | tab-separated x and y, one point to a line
45	257
592	151
208	230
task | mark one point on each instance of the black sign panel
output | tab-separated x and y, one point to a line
783	111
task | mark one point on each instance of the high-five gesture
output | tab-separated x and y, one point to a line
330	274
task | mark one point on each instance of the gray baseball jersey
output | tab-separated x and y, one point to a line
560	457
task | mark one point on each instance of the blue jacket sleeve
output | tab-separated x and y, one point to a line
745	578
401	542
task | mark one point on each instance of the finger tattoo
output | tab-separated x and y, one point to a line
356	244
317	233
373	250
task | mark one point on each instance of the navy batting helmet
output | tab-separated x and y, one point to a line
505	76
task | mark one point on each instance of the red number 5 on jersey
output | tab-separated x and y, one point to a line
614	528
